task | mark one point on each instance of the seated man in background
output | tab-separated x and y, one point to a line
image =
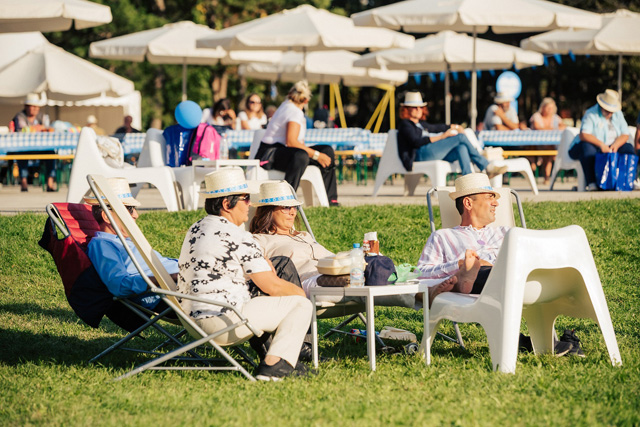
500	116
126	127
110	258
468	251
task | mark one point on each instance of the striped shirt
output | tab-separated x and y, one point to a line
445	247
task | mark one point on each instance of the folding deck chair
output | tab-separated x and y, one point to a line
166	289
450	217
66	236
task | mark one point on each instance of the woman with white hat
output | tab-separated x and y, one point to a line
420	141
282	147
603	130
217	260
273	227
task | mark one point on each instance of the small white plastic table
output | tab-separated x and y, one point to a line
369	293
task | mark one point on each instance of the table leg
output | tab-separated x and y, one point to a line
314	332
371	333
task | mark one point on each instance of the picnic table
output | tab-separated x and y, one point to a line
63	143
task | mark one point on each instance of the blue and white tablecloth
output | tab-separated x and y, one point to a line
516	138
337	138
60	142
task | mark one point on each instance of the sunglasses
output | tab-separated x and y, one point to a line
255	102
246	198
287	209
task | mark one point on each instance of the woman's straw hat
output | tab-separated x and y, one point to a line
120	186
502	97
33	99
609	101
473	183
225	182
277	193
413	99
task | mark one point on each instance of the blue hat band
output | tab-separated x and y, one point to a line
277	199
228	189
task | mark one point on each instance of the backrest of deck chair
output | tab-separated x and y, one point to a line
450	217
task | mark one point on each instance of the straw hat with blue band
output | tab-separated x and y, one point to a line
277	193
120	186
473	183
226	182
609	101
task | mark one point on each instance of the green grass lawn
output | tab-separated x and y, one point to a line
44	347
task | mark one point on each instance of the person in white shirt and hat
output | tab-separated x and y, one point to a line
217	260
500	115
419	140
603	130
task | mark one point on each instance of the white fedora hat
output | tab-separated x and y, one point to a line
413	99
277	193
120	186
609	101
227	181
502	97
473	183
33	99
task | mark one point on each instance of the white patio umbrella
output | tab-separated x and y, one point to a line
51	15
62	76
450	51
619	35
476	16
172	44
305	29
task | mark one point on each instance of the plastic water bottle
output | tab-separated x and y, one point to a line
357	266
224	147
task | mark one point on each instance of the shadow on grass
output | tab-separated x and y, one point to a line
29	309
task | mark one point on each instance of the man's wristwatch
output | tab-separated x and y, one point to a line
316	155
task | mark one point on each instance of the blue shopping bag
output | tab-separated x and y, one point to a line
177	147
616	171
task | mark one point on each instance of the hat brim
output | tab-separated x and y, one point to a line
251	188
608	107
284	203
413	104
472	191
502	100
127	202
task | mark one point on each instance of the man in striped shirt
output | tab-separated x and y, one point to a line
464	255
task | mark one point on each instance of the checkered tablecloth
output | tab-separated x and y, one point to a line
60	142
377	141
338	138
515	138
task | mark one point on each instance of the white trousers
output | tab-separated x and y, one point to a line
287	317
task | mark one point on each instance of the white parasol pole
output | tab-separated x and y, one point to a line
620	75
447	96
184	79
474	83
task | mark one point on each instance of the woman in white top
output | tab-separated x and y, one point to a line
253	116
283	148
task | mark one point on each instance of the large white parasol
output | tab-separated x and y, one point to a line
51	15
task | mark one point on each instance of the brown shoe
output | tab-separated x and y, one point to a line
493	170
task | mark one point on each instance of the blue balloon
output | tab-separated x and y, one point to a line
188	114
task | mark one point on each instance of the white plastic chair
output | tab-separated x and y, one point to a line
518	165
188	178
565	162
390	164
88	160
538	275
311	178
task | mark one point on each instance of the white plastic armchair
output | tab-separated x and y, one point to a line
310	181
538	275
88	160
390	164
565	162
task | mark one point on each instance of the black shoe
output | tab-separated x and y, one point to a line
561	348
524	344
276	372
50	190
24	189
334	204
570	336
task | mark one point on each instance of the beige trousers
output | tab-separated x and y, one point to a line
288	317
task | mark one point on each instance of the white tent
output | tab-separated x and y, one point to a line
476	16
51	15
449	51
619	35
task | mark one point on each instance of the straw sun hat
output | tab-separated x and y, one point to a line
120	186
226	182
501	98
413	99
473	183
609	101
277	193
33	99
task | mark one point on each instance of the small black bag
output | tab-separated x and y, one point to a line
378	270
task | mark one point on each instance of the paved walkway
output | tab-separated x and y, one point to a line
12	201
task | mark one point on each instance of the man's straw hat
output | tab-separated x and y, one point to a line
120	186
501	98
33	99
413	99
473	183
609	101
277	193
225	182
92	120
